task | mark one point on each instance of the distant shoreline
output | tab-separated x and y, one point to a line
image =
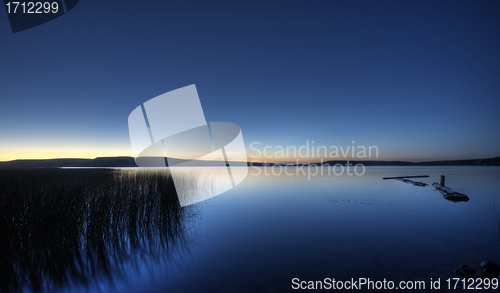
115	162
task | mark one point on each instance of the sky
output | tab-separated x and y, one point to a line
420	80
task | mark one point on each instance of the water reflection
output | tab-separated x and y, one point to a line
62	228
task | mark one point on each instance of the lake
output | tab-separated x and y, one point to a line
270	230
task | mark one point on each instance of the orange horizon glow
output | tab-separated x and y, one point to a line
6	156
92	152
56	153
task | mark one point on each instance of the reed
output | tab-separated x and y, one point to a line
59	227
496	218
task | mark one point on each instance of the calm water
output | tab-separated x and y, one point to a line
268	230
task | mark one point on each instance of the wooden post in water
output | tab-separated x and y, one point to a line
442	180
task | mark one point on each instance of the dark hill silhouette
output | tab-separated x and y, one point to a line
117	162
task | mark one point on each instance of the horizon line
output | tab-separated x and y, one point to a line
283	162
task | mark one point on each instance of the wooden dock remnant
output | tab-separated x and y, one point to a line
403	177
406	180
448	193
416	183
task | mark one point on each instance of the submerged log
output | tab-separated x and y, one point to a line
450	194
416	183
402	177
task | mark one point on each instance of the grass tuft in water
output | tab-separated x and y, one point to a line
59	227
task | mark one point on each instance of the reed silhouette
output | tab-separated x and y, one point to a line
496	218
61	227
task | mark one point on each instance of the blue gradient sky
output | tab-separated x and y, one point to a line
418	79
